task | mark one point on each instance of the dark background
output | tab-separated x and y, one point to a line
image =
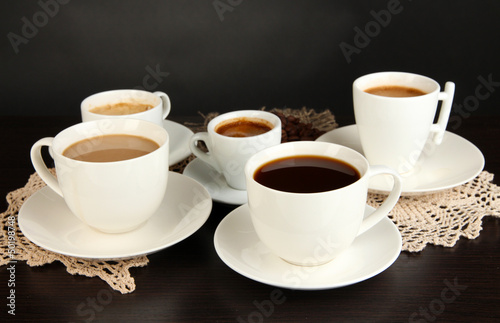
240	54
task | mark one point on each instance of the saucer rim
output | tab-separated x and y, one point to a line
183	151
202	218
190	171
419	191
241	212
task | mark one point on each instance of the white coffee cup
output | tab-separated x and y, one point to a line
158	100
394	130
310	229
109	196
228	155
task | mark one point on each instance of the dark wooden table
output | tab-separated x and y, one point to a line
189	283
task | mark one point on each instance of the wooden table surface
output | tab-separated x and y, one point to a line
189	283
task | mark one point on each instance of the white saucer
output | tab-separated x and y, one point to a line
454	162
46	220
239	247
179	141
214	182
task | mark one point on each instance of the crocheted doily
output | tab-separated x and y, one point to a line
439	219
115	273
15	246
442	218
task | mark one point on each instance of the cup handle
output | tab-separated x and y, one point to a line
439	128
39	164
165	103
206	157
389	202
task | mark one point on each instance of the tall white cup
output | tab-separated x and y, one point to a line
313	228
158	100
109	196
394	130
228	155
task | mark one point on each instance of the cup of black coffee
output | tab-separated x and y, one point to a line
307	199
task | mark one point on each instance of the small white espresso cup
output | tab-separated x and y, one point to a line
158	100
228	155
310	229
394	130
112	197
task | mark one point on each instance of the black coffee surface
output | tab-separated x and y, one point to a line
243	127
395	91
306	174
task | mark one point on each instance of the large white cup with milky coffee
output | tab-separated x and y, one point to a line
120	104
232	138
112	173
307	199
394	114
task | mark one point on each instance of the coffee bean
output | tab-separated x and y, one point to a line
295	130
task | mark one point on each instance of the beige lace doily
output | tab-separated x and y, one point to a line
115	273
439	219
442	218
